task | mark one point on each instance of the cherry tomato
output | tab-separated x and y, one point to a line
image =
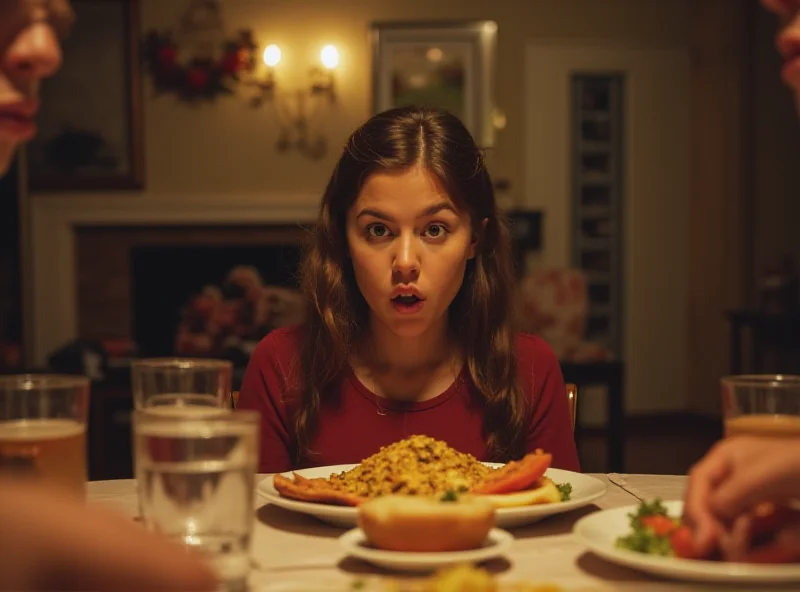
661	525
682	543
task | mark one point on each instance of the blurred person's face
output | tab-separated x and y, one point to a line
788	41
30	50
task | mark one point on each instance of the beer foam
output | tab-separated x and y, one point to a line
39	429
764	424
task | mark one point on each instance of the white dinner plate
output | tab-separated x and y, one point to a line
585	489
599	531
356	543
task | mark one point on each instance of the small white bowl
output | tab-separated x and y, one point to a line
355	542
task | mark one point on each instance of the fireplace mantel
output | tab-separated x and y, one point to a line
52	292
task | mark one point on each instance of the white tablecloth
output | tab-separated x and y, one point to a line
290	548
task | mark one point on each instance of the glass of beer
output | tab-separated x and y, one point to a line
169	383
196	482
43	429
761	405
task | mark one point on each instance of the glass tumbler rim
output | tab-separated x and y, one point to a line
34	382
777	381
180	363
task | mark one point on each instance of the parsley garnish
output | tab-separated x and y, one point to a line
449	496
565	489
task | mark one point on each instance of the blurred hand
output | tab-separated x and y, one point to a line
781	7
736	475
51	542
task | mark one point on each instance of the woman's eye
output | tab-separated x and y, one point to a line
435	231
377	231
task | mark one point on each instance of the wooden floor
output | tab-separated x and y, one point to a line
667	445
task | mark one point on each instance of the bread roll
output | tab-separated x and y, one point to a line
426	524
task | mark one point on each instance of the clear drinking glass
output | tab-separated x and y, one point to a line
761	405
171	382
43	429
196	482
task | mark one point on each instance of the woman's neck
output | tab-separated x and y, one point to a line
386	352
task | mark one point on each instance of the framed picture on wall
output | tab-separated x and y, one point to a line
90	122
446	64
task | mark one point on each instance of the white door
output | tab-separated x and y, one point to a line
655	202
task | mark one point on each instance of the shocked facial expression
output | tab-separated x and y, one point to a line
30	51
409	246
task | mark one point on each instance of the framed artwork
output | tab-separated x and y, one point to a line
90	122
446	64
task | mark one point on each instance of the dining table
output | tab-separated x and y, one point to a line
296	552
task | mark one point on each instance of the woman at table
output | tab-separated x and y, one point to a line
408	330
740	473
49	542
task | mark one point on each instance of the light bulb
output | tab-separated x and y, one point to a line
329	56
272	55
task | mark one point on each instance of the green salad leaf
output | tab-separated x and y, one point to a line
643	539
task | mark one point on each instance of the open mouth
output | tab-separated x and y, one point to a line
407	303
409	299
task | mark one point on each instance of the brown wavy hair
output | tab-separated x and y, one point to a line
338	315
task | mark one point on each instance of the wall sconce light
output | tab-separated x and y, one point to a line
322	77
294	116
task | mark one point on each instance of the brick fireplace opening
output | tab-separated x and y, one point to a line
132	281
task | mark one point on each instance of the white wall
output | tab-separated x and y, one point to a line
655	201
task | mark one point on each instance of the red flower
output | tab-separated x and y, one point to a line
231	63
204	305
167	56
197	78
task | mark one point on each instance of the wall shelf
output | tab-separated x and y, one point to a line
597	195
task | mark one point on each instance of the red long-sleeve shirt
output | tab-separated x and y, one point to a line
357	423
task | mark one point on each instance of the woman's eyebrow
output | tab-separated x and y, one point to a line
429	211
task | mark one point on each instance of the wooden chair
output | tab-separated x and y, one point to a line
234	399
572	399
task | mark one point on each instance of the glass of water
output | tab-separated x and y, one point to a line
196	481
171	382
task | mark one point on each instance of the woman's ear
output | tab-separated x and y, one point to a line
476	239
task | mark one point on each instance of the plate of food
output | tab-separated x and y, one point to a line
650	538
521	491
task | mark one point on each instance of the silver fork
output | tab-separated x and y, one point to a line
620	482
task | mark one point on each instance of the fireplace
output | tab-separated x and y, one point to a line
134	281
165	279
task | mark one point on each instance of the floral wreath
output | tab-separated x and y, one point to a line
197	78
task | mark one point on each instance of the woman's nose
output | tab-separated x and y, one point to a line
406	259
35	53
